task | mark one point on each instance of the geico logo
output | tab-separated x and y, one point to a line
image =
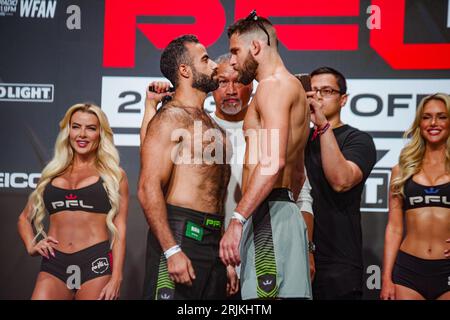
70	204
26	92
18	180
37	8
428	199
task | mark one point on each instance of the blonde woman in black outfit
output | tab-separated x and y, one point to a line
85	193
417	266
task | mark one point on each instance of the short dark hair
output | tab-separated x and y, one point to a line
249	24
223	58
174	55
342	83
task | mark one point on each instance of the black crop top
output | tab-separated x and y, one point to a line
419	196
92	198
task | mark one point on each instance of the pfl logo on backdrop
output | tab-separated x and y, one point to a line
160	23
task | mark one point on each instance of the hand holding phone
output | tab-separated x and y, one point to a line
161	91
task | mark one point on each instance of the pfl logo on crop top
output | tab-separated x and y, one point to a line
70	202
100	265
428	200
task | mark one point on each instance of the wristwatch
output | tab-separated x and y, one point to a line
311	247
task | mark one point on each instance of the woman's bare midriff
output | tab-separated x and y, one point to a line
427	230
77	230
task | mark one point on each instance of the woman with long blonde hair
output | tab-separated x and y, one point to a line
416	258
85	193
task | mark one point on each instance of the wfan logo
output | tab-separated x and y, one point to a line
38	9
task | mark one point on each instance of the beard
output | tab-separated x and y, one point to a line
203	82
231	108
248	72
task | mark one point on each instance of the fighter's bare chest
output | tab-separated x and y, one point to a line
202	130
252	119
